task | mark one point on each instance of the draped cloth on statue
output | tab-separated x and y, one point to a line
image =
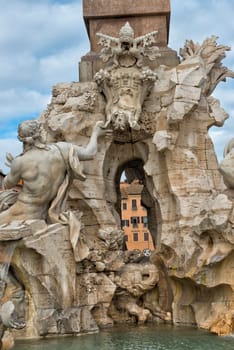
7	199
74	171
57	213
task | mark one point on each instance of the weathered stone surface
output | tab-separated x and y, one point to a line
224	325
16	229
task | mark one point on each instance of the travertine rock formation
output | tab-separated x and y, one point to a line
76	276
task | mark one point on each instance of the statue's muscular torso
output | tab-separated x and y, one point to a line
42	171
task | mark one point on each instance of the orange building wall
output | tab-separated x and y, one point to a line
129	213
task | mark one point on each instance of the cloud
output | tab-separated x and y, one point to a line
198	19
16	102
63	65
38	24
41	43
225	92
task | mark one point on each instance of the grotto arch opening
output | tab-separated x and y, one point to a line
131	163
135	174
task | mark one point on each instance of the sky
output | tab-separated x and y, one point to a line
41	43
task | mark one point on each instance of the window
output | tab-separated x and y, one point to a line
146	236
125	238
134	204
135	221
124	206
144	221
125	223
135	236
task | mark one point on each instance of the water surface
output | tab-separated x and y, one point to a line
150	337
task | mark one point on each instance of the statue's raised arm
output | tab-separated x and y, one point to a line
44	170
88	152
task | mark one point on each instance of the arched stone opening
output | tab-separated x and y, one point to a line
131	158
134	170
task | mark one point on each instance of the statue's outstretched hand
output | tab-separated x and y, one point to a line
9	159
101	130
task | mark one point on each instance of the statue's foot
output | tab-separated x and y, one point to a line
143	315
167	316
7	341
